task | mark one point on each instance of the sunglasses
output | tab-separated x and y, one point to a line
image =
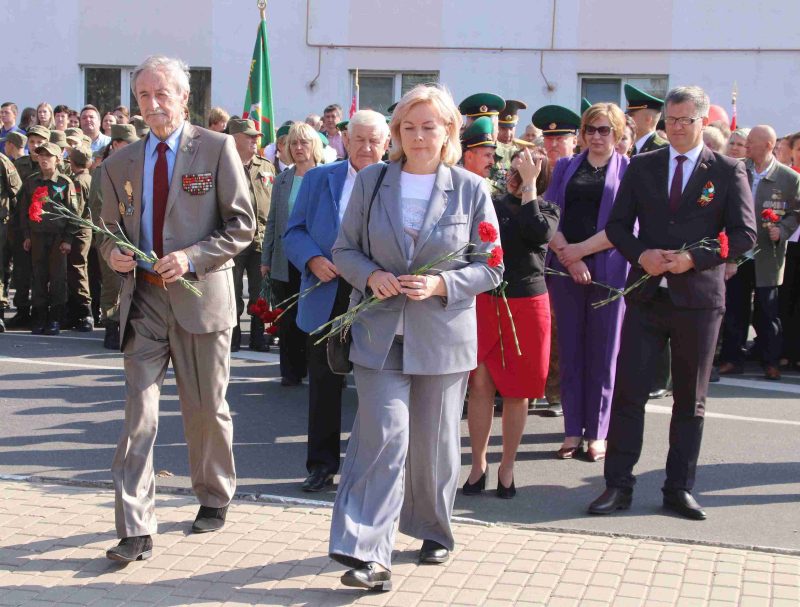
603	130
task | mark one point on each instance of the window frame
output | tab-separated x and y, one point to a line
623	79
397	75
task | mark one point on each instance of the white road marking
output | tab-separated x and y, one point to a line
710	414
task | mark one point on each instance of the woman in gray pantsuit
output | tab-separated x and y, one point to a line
413	352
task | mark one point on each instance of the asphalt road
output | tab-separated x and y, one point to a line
61	400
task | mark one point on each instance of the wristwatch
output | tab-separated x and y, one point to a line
527	188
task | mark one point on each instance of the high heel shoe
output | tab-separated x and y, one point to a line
595	454
475	488
506	493
570	452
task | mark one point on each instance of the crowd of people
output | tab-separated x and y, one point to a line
339	213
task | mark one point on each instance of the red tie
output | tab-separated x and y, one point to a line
160	195
676	189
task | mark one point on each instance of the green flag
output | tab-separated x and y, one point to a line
258	100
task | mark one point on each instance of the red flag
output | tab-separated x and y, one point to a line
734	94
354	103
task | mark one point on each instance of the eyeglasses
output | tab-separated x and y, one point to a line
591	130
682	121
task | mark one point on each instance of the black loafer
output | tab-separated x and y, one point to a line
52	328
552	410
660	393
433	553
611	500
139	548
317	481
85	324
370	576
682	502
209	519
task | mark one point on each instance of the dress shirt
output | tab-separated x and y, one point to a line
150	157
347	189
688	164
641	141
337	143
99	143
757	177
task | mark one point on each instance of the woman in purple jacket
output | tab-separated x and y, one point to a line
584	186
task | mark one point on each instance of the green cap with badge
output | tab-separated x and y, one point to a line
390	109
639	100
342	126
481	104
509	116
124	132
49	148
18	139
585	105
243	125
140	125
555	120
41	131
59	138
73	131
479	134
81	155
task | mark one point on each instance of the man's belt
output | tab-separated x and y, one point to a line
151	278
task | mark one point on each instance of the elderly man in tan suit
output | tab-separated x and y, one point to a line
182	193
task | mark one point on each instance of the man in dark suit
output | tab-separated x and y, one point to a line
679	195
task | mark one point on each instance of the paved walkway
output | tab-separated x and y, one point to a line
53	540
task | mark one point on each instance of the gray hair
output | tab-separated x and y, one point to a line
742	132
371	119
682	94
177	69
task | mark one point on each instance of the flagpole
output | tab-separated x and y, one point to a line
358	92
262	9
734	95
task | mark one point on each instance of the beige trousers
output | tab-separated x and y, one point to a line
202	367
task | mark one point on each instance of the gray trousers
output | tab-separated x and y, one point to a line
202	366
402	461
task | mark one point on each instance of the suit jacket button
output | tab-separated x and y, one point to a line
672	222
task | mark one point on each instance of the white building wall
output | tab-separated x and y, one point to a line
708	42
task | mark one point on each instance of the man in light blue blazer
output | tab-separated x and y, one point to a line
312	229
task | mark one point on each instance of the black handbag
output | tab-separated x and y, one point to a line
337	347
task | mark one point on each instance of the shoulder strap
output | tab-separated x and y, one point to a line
369	208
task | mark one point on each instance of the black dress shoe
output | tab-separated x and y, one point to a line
259	345
131	549
209	519
660	393
52	328
475	488
682	502
552	410
611	500
370	576
433	553
317	480
505	493
85	324
290	381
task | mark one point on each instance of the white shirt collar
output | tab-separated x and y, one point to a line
642	140
351	171
763	173
691	156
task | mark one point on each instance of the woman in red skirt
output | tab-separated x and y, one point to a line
527	223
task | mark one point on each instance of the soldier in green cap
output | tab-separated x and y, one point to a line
79	302
26	166
10	184
559	126
260	177
646	112
478	145
482	104
506	148
49	239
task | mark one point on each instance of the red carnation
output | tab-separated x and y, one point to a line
496	257
271	330
487	232
723	245
770	215
37	202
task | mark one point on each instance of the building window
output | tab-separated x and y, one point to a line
108	87
601	88
378	90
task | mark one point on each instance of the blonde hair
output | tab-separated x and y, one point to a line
301	130
611	111
441	99
217	114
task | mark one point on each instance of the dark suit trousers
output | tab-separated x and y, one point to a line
292	339
645	330
789	298
325	398
765	317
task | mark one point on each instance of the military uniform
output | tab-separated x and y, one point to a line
488	105
508	119
10	184
48	263
260	176
79	300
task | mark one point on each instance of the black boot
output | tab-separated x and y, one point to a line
37	320
22	319
236	338
111	340
257	339
53	326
